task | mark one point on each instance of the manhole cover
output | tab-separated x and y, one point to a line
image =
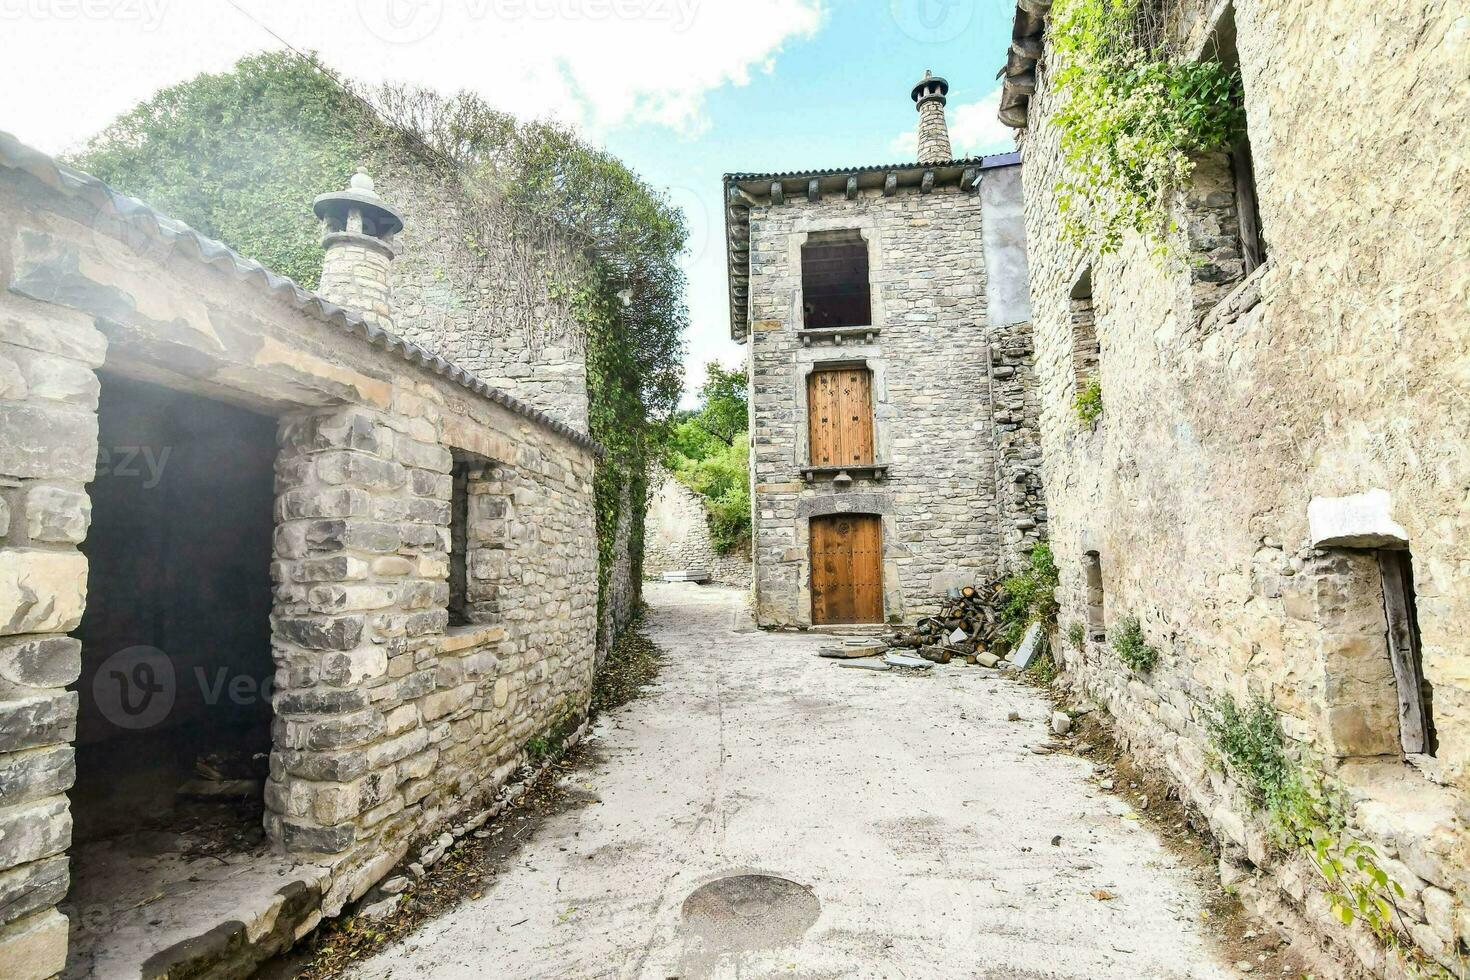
751	911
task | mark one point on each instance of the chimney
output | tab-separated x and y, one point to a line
929	96
357	232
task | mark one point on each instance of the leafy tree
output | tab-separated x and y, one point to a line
708	451
724	413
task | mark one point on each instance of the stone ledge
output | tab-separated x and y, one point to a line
837	335
460	638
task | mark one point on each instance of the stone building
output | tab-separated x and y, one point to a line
677	539
1276	488
254	547
886	317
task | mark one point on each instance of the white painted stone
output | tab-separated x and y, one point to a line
1360	520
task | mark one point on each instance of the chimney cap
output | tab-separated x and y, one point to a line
931	86
361	195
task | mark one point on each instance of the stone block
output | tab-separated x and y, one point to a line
38	662
360	470
34	831
36	774
56	379
442	703
47	441
321	633
57	514
50	330
44	719
33	887
304	838
349	668
34	948
354	535
41	591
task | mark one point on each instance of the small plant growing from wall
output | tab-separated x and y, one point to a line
1089	404
1307	814
1130	647
1029	596
1077	634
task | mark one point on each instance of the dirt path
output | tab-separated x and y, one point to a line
764	812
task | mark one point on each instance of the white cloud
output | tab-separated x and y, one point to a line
974	130
597	64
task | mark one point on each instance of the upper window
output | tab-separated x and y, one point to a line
834	280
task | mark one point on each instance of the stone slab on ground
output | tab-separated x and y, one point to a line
914	815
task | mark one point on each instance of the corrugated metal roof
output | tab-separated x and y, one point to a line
984	162
17	156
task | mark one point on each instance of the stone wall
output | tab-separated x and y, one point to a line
941	366
677	537
387	724
1231	405
491	308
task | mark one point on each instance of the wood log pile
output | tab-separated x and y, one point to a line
968	626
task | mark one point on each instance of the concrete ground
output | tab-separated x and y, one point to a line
907	823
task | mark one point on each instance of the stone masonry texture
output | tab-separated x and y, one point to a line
387	724
676	537
1232	404
953	406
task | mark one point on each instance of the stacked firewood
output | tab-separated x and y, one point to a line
968	626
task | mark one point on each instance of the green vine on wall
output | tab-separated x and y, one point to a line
1306	814
1131	117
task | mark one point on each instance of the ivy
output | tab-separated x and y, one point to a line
1130	119
1308	815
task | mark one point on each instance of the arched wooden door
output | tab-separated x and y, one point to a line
847	569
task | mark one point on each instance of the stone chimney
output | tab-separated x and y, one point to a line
929	96
358	228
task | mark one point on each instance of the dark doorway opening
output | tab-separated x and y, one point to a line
174	715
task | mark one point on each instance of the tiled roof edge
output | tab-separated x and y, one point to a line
16	155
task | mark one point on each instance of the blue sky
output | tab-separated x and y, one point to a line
683	90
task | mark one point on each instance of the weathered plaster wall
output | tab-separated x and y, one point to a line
386	723
677	538
1339	367
933	392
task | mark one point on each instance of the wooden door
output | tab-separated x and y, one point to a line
839	405
847	569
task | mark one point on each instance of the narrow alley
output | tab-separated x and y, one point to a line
908	822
